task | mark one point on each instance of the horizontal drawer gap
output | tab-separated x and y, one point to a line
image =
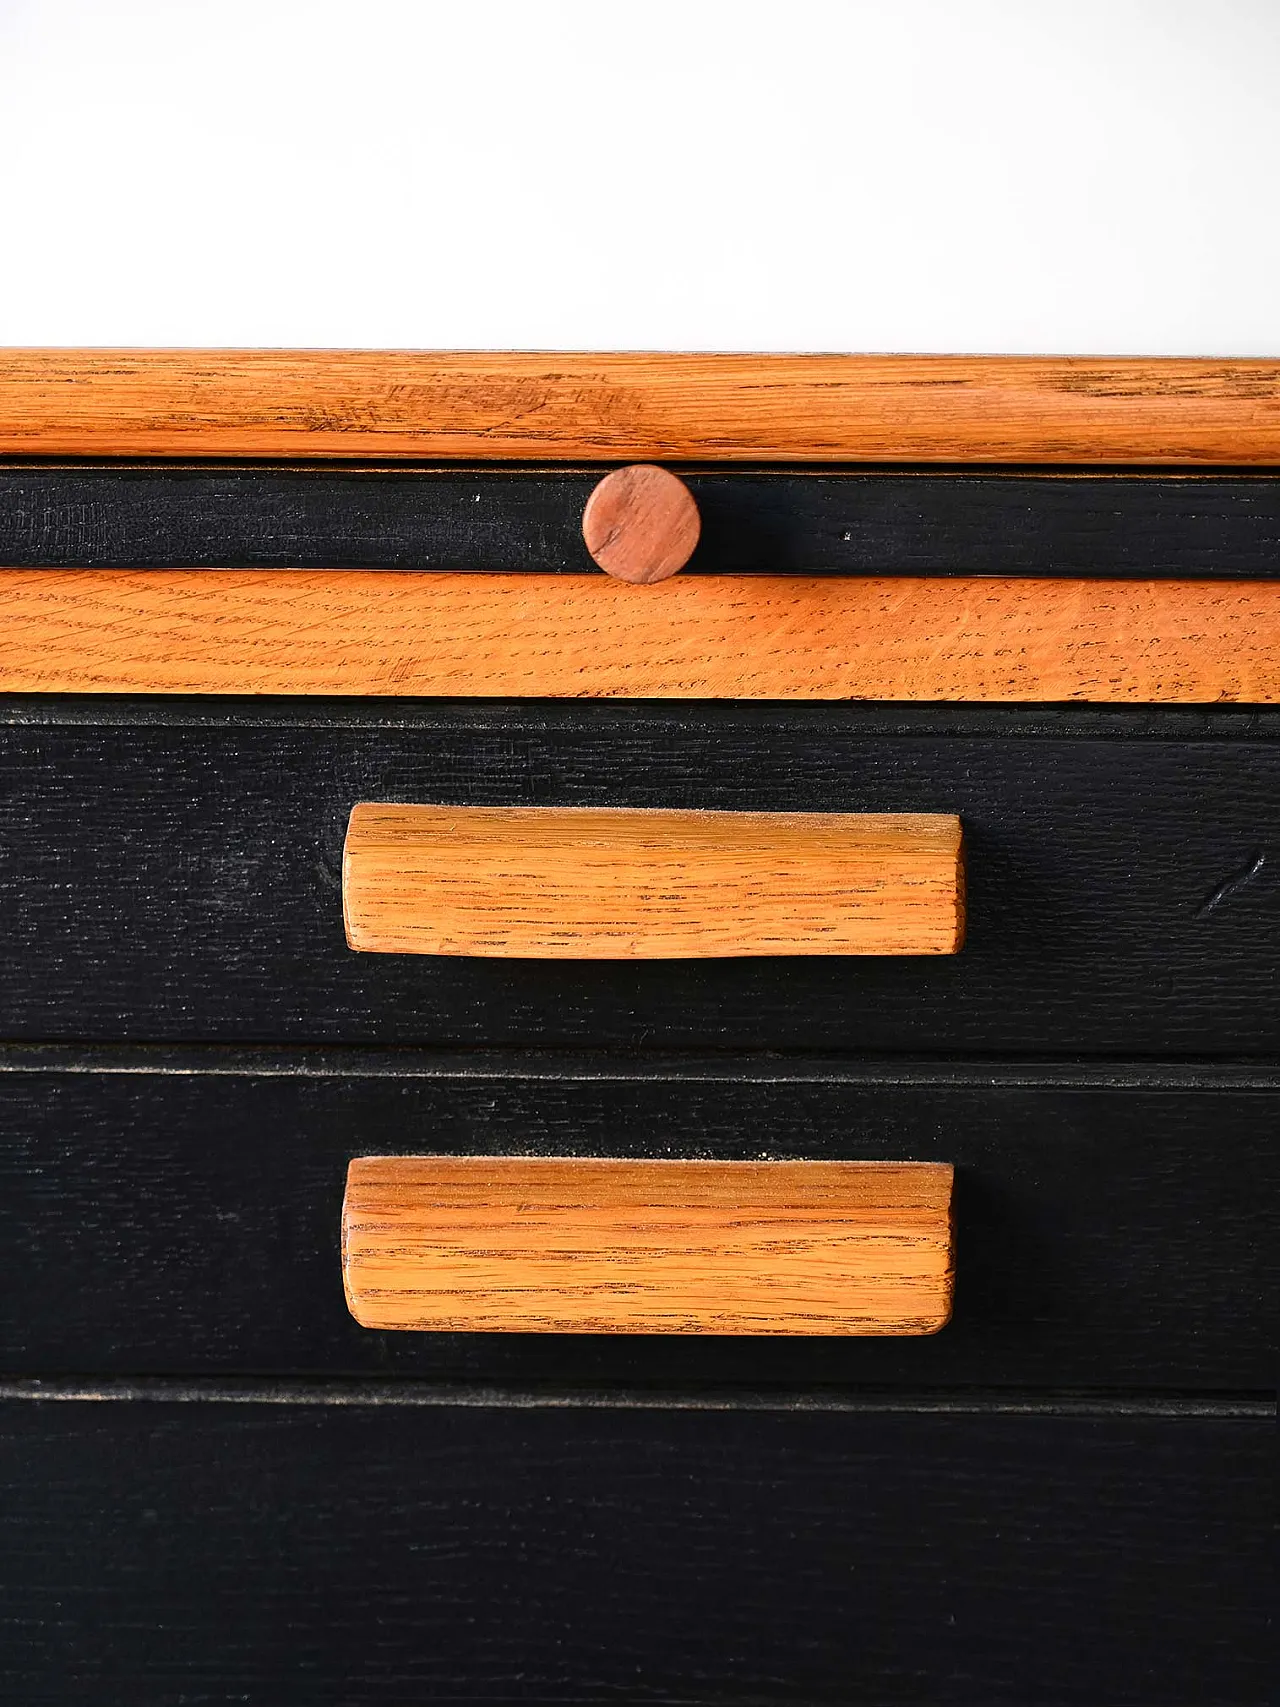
869	720
159	1389
302	1062
509	467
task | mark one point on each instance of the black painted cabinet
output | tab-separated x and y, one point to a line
216	1488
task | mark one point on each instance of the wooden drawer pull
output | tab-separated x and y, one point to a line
516	1245
612	883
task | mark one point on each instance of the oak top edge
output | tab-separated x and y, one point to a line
370	818
688	1182
635	406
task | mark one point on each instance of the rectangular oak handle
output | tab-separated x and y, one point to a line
616	883
537	1245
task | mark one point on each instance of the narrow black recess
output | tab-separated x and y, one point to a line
780	521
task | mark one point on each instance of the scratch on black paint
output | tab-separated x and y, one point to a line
1230	885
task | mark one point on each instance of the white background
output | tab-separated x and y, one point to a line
1017	175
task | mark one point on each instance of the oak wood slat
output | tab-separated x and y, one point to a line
703	637
550	1245
613	883
635	407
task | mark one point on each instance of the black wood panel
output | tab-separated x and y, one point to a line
893	523
177	876
180	1214
208	1554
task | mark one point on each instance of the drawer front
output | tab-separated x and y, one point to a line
169	871
181	1213
348	1555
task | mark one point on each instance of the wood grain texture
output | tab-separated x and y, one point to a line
638	407
177	1210
488	1244
705	637
358	1556
641	524
776	521
612	883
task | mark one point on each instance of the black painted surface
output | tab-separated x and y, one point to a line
168	870
882	522
177	877
166	1554
186	1219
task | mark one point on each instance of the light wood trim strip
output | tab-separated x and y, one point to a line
589	636
614	883
508	1244
638	407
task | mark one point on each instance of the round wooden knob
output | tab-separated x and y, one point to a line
641	523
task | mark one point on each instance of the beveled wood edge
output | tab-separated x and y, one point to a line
633	406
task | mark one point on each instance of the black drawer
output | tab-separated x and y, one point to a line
165	1212
170	871
175	1552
